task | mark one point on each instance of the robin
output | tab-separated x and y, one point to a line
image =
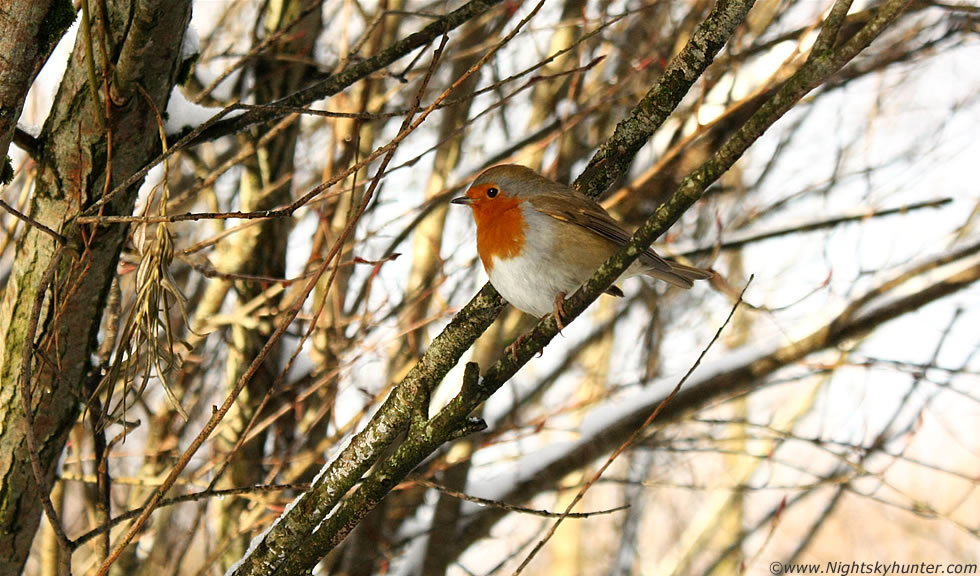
540	240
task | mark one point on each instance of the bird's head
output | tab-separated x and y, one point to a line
502	188
495	198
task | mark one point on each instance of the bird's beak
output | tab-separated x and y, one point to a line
464	200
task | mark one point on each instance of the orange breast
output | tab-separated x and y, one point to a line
499	229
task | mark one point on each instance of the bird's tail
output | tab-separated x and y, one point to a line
679	275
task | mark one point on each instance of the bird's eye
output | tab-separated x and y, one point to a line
491	192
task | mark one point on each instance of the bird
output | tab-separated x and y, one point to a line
540	240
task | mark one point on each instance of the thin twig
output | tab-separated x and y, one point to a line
859	215
633	437
511	507
90	64
192	497
32	222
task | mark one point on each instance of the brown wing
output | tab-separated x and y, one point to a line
576	208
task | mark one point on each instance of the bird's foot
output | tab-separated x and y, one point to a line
512	348
560	310
559	314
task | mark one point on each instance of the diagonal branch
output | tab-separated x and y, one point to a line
394	415
615	155
444	352
444	426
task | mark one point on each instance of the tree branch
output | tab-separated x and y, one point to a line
34	223
613	158
334	84
393	416
418	447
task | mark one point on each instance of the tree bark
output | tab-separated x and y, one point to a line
30	32
76	157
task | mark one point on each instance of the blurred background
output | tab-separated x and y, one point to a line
837	417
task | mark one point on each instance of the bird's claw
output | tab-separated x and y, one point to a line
559	313
560	310
512	349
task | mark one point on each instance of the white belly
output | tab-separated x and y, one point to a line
532	281
522	283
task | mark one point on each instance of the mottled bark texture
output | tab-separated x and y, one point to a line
30	32
75	158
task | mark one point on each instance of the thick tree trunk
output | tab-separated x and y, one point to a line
74	160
